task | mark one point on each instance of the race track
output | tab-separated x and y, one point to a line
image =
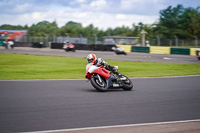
39	105
140	57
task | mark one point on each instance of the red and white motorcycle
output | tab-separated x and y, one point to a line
69	47
103	79
198	54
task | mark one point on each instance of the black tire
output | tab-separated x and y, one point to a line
102	87
127	84
6	46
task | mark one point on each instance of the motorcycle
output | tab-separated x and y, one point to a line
69	47
103	79
9	45
119	50
198	54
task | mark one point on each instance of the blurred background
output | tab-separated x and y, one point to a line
126	22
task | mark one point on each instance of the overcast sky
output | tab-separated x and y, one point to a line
100	13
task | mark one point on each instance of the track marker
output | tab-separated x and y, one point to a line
114	126
86	79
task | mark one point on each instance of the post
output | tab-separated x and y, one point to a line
95	38
35	39
143	32
40	37
196	41
176	40
47	41
158	40
67	36
28	38
80	37
126	39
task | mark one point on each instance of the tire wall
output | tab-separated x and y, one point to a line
127	48
159	50
140	49
193	51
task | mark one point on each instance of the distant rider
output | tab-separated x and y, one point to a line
91	58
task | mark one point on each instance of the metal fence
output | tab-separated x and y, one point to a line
187	43
136	41
81	40
47	40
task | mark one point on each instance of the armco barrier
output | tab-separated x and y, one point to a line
2	42
127	48
56	45
99	47
18	44
159	50
23	44
37	45
193	51
182	51
93	47
140	49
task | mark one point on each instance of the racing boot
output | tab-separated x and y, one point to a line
117	73
111	68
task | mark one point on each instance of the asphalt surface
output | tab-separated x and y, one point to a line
39	105
67	104
141	57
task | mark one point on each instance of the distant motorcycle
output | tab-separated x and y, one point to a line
103	79
9	45
69	47
198	54
119	50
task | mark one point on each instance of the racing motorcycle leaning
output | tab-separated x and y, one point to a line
198	54
69	47
103	79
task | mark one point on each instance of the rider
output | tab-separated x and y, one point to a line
91	58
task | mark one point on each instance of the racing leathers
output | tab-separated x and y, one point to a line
101	62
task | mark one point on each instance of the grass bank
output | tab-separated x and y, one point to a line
20	66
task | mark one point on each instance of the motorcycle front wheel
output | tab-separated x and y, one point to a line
127	84
98	85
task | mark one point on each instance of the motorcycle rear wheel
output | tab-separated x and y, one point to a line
100	86
127	84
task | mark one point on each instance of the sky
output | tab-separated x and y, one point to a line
101	13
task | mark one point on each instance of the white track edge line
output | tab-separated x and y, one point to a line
44	80
86	79
104	127
168	77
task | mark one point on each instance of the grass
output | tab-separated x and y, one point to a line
20	66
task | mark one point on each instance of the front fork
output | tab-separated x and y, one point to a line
99	78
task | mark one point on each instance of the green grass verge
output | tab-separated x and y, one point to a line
20	66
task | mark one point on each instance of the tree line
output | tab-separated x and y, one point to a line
173	21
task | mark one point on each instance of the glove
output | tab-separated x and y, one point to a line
105	64
101	62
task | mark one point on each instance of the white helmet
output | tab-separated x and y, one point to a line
91	58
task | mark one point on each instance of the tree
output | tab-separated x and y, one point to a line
71	28
174	21
170	22
43	28
191	21
13	27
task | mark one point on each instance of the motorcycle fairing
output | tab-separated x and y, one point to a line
110	78
90	68
112	82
